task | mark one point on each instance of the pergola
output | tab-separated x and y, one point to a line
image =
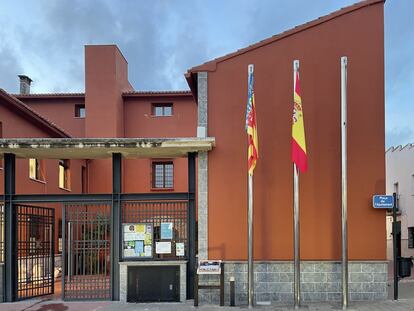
95	148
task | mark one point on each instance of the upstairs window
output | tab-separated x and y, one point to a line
36	170
410	237
64	174
163	175
80	111
162	110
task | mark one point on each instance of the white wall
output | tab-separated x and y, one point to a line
400	169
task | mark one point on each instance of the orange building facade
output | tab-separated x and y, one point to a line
215	107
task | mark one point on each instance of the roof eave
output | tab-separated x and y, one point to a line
30	115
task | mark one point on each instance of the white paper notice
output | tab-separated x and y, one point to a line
129	252
148	251
139	236
129	236
163	247
179	249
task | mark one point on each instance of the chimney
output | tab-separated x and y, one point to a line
25	82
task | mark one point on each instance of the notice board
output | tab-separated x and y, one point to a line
137	240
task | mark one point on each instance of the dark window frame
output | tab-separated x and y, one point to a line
79	108
410	237
155	112
166	184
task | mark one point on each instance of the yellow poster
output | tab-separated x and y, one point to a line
148	239
140	228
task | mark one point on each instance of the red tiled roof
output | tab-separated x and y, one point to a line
156	93
82	95
34	116
49	95
211	65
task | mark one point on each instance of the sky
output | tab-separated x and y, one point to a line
161	39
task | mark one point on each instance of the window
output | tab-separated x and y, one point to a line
64	174
163	175
410	237
80	111
36	169
162	110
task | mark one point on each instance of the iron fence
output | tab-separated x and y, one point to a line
1	232
87	248
35	251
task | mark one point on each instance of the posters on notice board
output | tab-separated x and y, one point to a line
163	247
166	231
179	249
137	240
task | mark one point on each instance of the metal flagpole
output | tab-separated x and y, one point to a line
344	63
250	233
296	218
250	275
297	241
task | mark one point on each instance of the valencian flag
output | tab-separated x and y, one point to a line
299	156
251	126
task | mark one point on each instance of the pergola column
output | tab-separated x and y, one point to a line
10	229
116	222
191	266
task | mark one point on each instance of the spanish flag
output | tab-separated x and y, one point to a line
251	126
299	156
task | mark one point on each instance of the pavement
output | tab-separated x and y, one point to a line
57	305
405	302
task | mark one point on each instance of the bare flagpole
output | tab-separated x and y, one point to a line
296	218
344	64
250	273
250	233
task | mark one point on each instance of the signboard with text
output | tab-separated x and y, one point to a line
383	201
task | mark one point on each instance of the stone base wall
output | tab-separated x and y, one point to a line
1	282
320	281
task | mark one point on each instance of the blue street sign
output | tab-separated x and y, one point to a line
383	201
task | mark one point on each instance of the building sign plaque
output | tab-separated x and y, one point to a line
383	201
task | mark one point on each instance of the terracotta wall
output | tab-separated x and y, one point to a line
139	122
138	118
358	35
106	77
15	126
61	111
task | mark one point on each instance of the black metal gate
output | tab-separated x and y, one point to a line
87	249
35	251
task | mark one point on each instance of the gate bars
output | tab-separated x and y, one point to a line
35	251
86	250
114	199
